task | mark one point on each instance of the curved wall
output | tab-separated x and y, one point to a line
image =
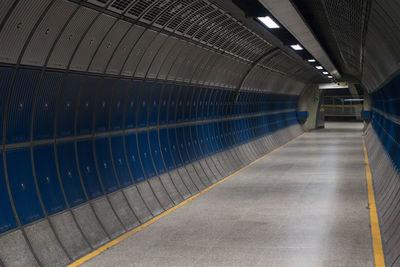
380	78
383	148
115	111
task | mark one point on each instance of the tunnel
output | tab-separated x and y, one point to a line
199	133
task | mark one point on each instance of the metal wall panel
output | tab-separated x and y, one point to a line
156	151
47	32
86	105
170	59
69	174
47	179
145	154
22	185
70	38
20	106
132	105
123	50
137	53
5	83
91	41
105	166
108	46
118	104
103	104
149	55
7	220
46	100
88	169
121	166
133	158
159	58
18	27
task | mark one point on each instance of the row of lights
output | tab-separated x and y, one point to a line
271	24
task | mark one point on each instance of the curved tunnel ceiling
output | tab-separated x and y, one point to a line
360	36
185	41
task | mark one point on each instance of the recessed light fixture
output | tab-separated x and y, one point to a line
296	47
269	22
311	60
330	77
325	72
319	67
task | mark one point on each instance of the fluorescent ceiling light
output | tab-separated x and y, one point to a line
330	77
311	60
325	72
319	67
333	86
267	21
296	47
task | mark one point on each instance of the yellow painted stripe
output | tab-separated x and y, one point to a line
137	229
373	215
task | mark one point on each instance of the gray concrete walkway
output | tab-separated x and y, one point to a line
304	205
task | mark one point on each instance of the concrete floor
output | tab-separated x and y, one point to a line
304	205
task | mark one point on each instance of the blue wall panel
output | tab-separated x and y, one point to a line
181	103
163	113
131	108
182	145
46	105
187	104
67	105
89	105
104	163
22	184
145	97
165	148
133	158
189	145
156	151
88	169
118	104
69	174
173	99
174	147
196	142
7	218
6	75
145	154
155	101
194	103
20	106
121	166
200	103
103	104
86	104
47	179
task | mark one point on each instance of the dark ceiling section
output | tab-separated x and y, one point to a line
340	26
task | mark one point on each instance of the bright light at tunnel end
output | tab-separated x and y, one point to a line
269	22
296	47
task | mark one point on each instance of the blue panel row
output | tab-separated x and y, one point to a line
40	180
385	103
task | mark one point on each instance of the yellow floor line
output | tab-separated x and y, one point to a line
373	215
137	229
